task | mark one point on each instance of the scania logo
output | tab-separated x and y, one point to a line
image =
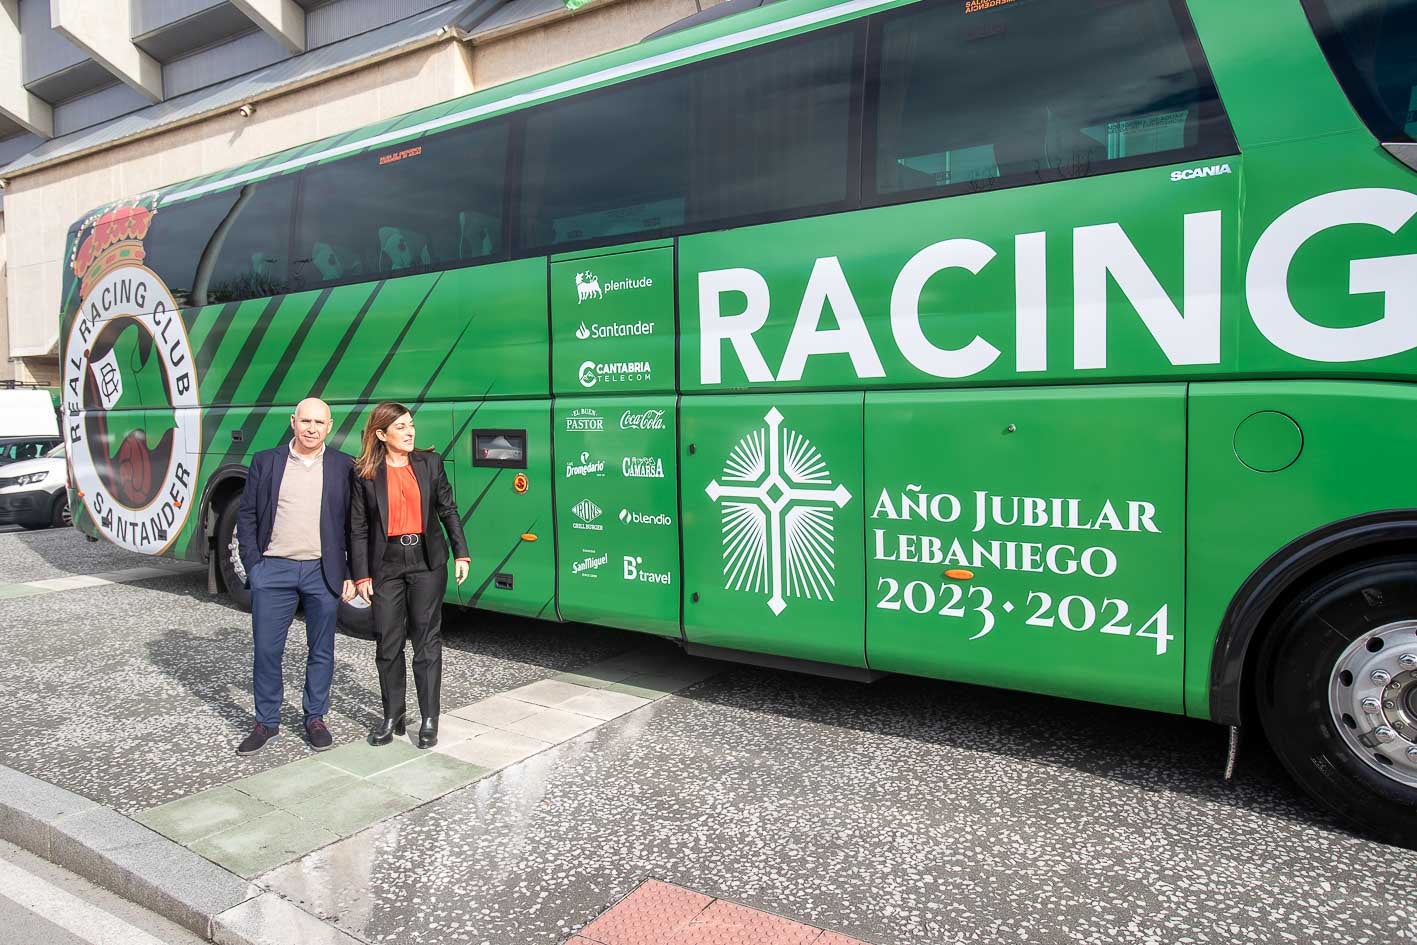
1191	173
130	390
642	420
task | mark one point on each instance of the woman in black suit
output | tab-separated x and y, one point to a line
400	561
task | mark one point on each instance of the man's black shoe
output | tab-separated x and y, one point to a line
260	734
318	734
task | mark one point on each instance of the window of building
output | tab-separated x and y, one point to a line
979	95
428	204
1372	47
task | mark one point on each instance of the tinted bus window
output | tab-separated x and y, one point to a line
974	95
248	255
178	236
772	129
758	134
433	203
611	163
1372	47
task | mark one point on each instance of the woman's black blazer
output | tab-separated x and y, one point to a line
369	517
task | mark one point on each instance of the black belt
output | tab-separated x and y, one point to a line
408	541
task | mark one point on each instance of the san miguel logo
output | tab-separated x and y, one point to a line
130	388
779	516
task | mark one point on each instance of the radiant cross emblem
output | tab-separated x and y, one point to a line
778	507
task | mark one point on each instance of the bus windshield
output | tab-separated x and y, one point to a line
1372	47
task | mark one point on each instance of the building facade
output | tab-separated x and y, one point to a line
100	100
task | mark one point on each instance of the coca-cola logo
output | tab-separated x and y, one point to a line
642	420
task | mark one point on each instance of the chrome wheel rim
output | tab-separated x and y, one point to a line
1372	694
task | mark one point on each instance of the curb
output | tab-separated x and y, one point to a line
144	867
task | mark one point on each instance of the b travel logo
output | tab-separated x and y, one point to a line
129	388
778	505
590	289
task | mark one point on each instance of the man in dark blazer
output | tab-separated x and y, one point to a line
292	529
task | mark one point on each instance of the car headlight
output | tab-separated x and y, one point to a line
30	479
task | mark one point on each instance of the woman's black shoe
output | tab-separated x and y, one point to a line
386	731
428	732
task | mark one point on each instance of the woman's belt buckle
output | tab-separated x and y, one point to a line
408	541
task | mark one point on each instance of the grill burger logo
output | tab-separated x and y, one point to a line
130	388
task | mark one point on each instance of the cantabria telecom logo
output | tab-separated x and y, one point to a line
130	389
779	516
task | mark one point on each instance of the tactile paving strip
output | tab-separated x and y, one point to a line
659	913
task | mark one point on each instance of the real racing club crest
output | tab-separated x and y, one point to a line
132	422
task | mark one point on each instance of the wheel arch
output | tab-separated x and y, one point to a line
226	481
1270	586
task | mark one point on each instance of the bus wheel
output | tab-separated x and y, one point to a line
1337	694
356	618
59	515
228	555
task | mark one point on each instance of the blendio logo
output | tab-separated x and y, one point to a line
635	571
591	563
585	420
587	511
642	420
1191	173
586	467
614	330
642	467
639	518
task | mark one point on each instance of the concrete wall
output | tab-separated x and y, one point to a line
7	367
42	204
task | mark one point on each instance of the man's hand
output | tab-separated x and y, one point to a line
347	592
366	591
460	567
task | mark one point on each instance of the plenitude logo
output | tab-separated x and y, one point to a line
589	287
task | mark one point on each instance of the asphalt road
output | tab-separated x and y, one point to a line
41	904
904	812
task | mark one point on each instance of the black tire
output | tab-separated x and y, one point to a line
357	621
1297	661
228	558
59	514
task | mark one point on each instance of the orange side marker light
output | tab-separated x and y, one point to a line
528	536
959	574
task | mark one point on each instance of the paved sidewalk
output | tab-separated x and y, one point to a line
262	821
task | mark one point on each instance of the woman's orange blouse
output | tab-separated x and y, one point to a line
405	502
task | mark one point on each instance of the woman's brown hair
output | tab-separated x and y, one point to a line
373	452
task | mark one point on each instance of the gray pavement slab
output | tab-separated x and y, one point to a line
907	811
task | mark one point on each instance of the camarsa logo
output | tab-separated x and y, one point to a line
130	389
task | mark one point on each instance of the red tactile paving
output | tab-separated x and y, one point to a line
659	913
647	916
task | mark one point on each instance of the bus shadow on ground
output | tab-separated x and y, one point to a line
1144	751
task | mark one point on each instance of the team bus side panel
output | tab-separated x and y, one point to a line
1271	461
1034	540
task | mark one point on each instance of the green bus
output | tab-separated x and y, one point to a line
1065	347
